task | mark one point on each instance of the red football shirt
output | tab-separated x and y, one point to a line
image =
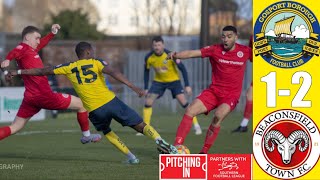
227	68
28	58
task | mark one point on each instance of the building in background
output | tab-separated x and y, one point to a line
114	17
147	17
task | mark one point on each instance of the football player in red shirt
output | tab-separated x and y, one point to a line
38	94
228	61
248	108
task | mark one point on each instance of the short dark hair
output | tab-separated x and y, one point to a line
230	28
81	47
29	29
157	39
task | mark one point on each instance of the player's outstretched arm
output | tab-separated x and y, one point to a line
33	72
184	54
46	39
120	77
13	54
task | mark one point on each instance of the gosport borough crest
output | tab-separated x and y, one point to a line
286	34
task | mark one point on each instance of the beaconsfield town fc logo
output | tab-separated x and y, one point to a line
286	144
286	34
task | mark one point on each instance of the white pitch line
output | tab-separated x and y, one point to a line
76	131
46	132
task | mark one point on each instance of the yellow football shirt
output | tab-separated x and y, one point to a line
88	81
165	71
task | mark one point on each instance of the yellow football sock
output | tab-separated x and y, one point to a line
195	121
147	112
151	132
116	141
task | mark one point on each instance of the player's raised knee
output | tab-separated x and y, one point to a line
219	114
191	111
139	127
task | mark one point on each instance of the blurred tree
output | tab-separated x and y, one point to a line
161	16
22	13
230	12
223	12
74	25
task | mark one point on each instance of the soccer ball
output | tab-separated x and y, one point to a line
182	149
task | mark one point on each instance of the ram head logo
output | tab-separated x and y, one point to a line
286	146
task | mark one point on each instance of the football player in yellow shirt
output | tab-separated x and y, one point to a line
166	77
86	76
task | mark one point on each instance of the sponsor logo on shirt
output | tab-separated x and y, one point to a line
231	62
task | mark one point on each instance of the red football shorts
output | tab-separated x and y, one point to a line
211	100
54	101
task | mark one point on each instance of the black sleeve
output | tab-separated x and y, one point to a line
146	77
146	71
184	72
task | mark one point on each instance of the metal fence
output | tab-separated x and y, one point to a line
199	73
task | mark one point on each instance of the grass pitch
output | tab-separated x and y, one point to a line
51	149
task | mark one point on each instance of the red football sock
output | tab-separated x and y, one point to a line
211	136
248	110
83	120
183	129
5	132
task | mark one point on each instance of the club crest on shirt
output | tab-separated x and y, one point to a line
36	56
240	54
286	34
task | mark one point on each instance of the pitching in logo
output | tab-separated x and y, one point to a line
286	144
286	34
183	166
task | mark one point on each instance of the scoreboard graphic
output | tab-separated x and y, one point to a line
286	120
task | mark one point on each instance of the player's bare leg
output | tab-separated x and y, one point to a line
194	109
147	110
150	132
82	116
184	103
247	113
15	127
219	115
